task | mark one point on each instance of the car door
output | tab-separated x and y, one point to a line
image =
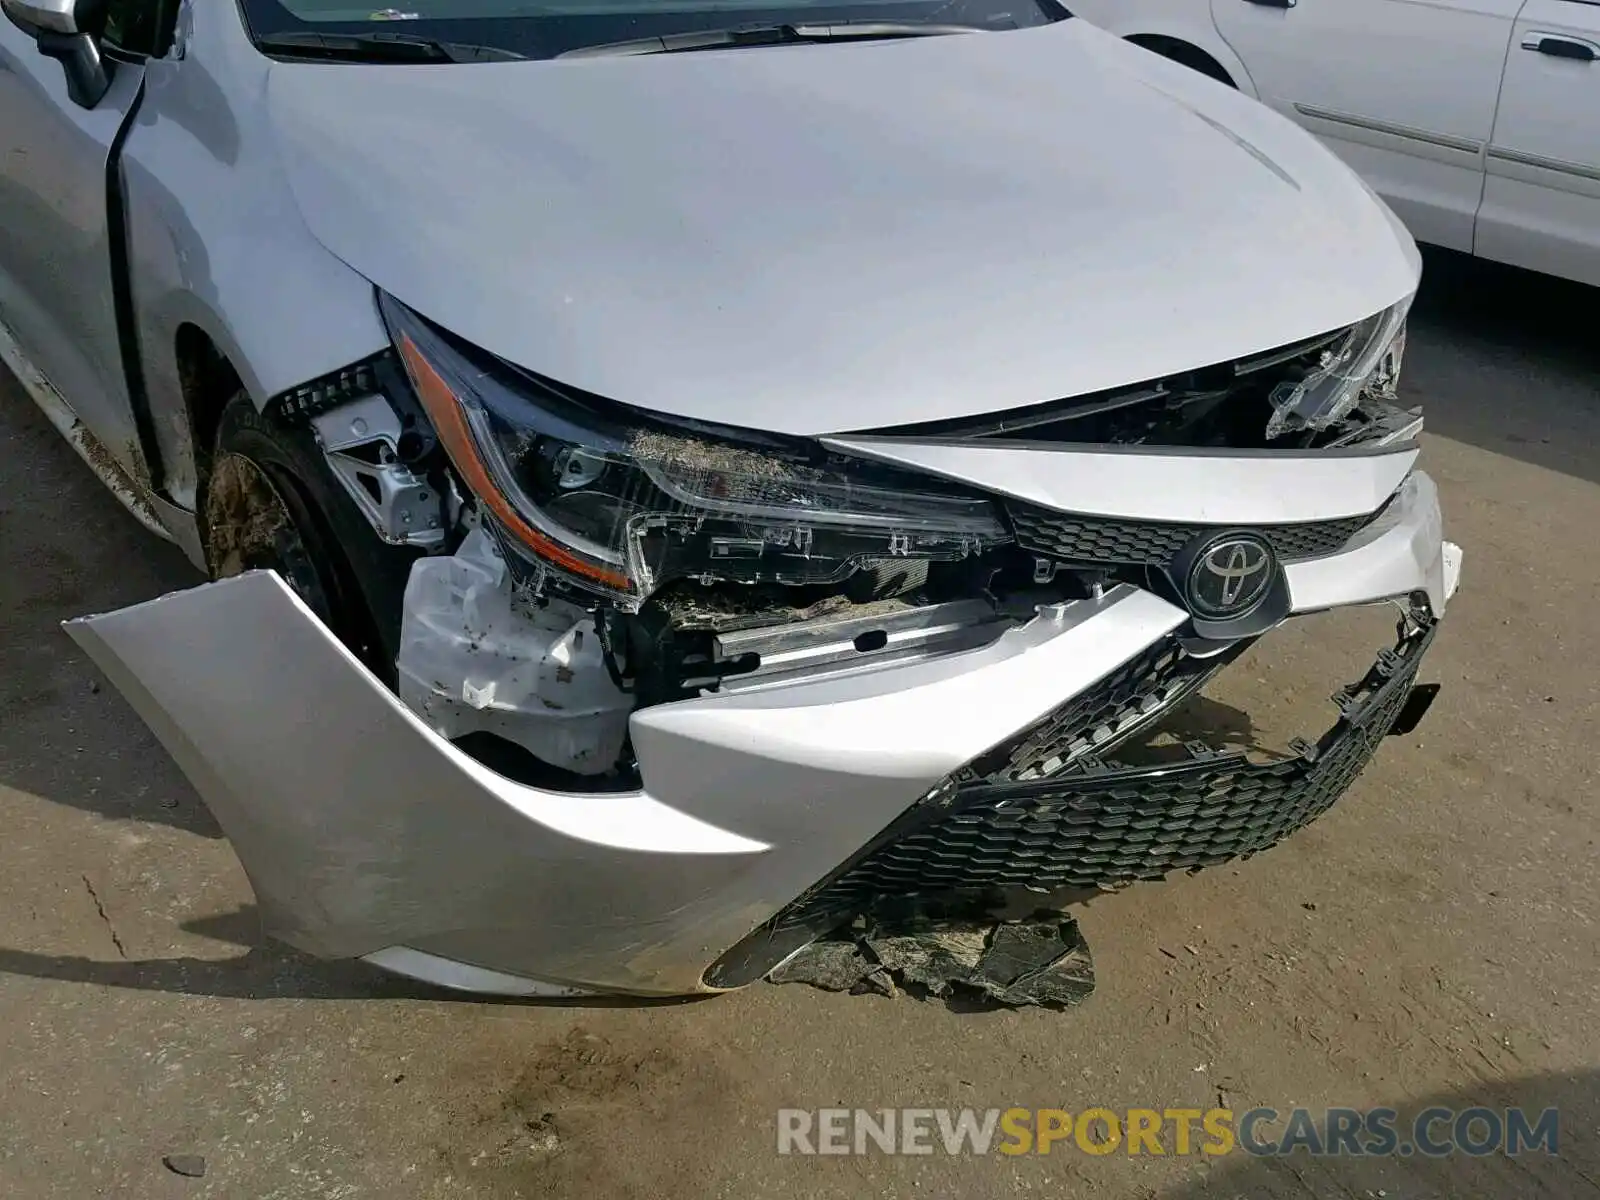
1541	201
1403	90
56	297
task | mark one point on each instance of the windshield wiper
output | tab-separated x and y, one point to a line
379	47
768	35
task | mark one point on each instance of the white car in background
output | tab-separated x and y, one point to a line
1477	120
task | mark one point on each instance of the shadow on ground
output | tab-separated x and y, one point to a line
268	970
67	548
1474	319
1572	1172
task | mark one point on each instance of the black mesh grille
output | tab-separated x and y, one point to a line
1113	709
1154	543
1099	825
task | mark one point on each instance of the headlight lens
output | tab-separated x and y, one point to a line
1366	359
624	504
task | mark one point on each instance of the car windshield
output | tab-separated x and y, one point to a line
535	30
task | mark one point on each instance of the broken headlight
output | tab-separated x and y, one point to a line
621	502
1365	358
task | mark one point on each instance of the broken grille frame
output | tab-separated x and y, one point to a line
1313	778
1107	713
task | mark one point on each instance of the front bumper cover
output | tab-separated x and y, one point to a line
365	834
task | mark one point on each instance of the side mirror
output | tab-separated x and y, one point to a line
46	16
59	28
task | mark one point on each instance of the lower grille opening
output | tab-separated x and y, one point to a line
1099	795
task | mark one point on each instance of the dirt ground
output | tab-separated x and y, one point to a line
1435	938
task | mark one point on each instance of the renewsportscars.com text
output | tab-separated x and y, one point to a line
1265	1132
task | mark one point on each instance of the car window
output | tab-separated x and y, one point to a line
538	29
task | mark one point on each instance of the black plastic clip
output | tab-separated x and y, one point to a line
1304	749
1348	702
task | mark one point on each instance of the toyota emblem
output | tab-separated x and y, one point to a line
1230	577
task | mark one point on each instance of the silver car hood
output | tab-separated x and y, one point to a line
816	239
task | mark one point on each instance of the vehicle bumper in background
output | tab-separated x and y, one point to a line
365	834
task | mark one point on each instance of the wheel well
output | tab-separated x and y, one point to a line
209	382
1186	53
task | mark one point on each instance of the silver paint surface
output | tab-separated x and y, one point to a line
844	237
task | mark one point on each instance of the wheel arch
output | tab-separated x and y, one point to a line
1171	23
208	380
1185	53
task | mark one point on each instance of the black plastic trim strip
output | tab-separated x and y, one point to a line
123	304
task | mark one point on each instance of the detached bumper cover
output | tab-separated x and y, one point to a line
362	830
1099	824
365	834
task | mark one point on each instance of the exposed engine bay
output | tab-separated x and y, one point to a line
632	562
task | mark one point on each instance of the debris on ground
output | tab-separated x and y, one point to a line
191	1166
1042	960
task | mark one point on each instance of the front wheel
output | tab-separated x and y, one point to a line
270	503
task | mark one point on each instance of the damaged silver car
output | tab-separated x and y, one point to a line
679	479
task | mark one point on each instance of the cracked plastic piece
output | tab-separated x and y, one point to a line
1041	961
473	660
1368	357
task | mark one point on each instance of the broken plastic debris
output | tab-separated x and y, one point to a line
1040	961
474	660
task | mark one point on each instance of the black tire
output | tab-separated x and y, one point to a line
270	501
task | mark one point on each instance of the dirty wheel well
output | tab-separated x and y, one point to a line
271	501
209	382
1186	53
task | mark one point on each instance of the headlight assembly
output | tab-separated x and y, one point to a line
621	502
1365	359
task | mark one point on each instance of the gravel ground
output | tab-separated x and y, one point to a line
1433	939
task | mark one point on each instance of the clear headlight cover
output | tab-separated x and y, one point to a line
622	503
1365	359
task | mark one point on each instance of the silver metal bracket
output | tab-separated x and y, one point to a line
842	642
361	440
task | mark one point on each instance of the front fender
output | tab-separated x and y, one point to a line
215	241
